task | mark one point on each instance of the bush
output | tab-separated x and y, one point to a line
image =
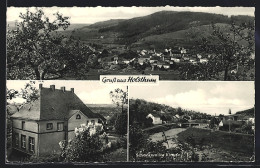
87	146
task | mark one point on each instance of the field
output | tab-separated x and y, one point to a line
107	110
221	146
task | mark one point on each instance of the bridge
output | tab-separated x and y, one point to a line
192	124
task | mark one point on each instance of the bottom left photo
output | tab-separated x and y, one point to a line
65	121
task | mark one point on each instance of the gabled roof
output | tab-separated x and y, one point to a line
155	115
54	104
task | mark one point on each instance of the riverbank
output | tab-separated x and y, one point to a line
170	135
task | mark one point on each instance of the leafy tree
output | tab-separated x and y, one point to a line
29	93
121	123
229	49
35	49
180	111
87	146
148	122
119	97
213	122
137	139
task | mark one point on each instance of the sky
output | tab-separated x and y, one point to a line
90	92
207	97
89	15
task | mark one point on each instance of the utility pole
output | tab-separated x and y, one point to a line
229	112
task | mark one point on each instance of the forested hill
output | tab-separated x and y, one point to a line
108	23
246	113
129	31
170	21
139	109
163	22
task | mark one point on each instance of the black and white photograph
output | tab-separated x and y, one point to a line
130	85
65	121
192	122
176	43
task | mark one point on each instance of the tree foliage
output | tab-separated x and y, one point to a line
87	146
36	49
139	109
229	50
121	123
119	97
29	93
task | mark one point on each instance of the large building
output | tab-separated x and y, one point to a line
40	125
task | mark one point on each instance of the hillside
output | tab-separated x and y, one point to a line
139	109
104	24
249	113
107	110
169	27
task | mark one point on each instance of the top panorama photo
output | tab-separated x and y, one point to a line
176	43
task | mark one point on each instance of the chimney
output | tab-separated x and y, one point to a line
72	90
62	88
40	86
52	87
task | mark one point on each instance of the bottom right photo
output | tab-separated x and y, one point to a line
192	122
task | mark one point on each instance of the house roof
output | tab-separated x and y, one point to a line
54	104
100	116
155	115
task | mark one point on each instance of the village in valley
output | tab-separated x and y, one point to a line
169	63
58	109
152	60
216	135
190	48
200	137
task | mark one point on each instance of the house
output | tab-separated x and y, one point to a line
143	60
203	60
126	61
175	59
155	117
252	120
40	125
186	58
160	64
115	60
199	56
221	124
231	117
166	66
183	51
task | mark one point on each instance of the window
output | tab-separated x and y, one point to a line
23	123
78	116
87	122
23	141
16	139
60	126
49	126
31	144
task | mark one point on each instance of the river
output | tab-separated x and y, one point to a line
170	134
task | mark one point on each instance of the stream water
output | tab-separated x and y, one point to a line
170	135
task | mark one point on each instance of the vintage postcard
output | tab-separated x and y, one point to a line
130	84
